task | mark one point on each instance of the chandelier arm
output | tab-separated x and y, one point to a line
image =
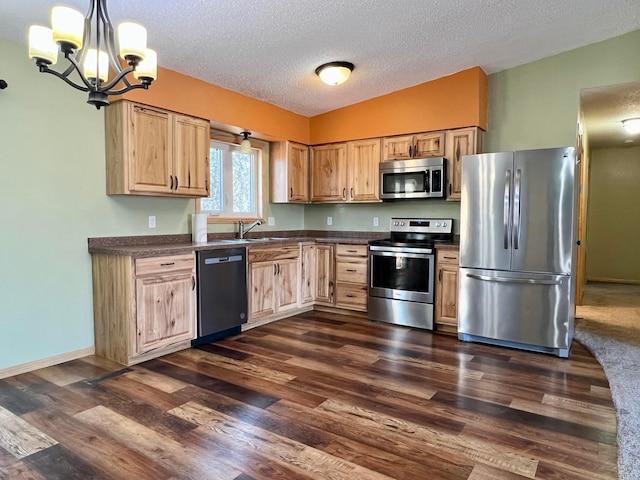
129	87
112	83
45	69
76	65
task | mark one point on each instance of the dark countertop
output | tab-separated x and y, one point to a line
155	245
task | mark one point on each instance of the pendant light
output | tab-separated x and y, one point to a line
245	144
631	125
335	73
89	44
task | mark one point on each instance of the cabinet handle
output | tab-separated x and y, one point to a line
409	151
291	195
171	178
275	269
351	192
350	295
344	193
439	275
278	269
449	258
193	283
176	182
351	251
449	189
167	264
352	270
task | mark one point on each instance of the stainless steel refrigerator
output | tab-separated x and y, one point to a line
517	249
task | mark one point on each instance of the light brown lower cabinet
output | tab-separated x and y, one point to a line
144	307
351	276
447	266
273	277
317	274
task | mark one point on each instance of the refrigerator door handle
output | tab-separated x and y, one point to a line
516	209
506	209
513	280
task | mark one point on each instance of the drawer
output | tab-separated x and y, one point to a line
351	272
351	295
448	256
164	264
272	254
343	250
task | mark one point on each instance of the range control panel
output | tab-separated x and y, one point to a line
421	225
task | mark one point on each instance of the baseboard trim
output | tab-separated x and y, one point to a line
612	280
46	362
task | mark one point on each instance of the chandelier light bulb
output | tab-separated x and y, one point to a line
68	27
132	39
41	44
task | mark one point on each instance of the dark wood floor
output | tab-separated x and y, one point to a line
317	396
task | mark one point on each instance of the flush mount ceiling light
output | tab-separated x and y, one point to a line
335	73
88	43
245	144
631	125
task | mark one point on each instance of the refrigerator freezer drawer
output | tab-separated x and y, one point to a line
516	309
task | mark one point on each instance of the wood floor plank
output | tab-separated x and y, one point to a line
153	380
19	437
170	454
282	450
58	462
95	449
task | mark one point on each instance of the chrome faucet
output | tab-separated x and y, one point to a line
243	231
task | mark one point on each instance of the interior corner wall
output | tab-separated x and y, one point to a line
614	232
536	105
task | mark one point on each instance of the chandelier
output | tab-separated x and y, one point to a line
88	43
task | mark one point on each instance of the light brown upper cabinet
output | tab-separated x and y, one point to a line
421	145
463	141
289	172
150	151
345	172
329	173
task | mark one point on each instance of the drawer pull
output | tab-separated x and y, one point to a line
352	251
350	295
167	264
450	258
352	270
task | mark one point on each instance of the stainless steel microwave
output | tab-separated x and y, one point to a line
412	179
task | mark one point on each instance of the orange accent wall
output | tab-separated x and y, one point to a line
455	101
181	93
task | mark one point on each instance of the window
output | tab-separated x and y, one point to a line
235	190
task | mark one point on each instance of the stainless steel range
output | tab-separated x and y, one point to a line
401	271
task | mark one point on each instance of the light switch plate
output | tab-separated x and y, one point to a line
329	221
376	221
152	221
271	221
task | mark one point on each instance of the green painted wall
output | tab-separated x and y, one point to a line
52	198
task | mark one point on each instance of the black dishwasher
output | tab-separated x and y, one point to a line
222	293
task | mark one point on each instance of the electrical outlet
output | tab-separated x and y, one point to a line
376	221
152	221
329	221
271	221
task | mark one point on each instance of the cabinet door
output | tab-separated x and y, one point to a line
465	141
447	295
287	278
150	150
329	173
165	310
262	296
308	274
363	159
429	145
191	156
398	148
324	274
298	172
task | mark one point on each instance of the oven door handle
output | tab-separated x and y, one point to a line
400	251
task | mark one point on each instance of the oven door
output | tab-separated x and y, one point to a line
401	273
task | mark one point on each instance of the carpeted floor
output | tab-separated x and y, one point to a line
608	324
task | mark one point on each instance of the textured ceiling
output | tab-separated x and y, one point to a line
269	49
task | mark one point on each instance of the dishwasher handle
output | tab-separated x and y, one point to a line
229	259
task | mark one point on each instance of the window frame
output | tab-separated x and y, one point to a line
261	179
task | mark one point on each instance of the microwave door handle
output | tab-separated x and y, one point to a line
427	177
